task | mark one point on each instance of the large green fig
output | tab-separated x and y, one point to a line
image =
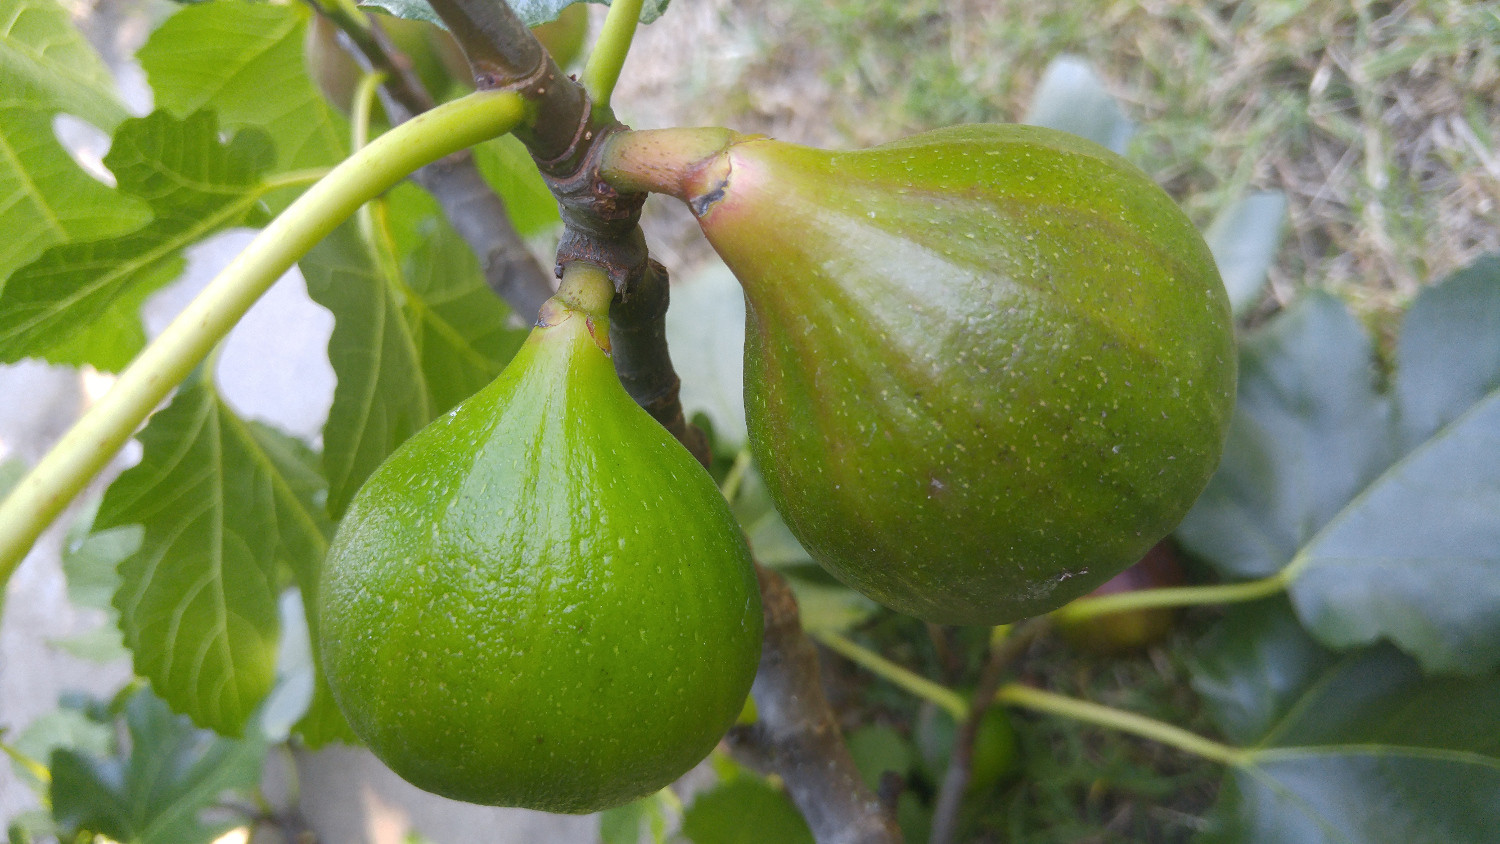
541	599
986	367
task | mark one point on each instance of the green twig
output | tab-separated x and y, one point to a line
1028	697
1174	596
90	444
907	679
608	56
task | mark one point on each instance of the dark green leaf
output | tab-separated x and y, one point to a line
1380	530
78	302
244	60
1072	98
1309	433
404	349
223	510
1373	752
1244	239
1448	363
158	789
1253	665
744	811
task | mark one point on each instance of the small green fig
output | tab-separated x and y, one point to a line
996	755
986	367
541	599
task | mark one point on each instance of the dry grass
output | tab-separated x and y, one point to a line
1381	121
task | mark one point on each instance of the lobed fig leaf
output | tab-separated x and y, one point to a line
986	367
541	599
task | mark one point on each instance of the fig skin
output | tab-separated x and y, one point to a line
541	599
986	367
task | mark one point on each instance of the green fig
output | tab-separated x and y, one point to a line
541	599
986	367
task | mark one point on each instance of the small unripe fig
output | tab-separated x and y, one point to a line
1130	630
541	599
986	367
996	754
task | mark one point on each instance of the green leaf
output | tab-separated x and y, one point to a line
62	728
1070	97
12	470
706	333
157	789
1371	751
1254	665
531	12
47	68
78	302
223	510
41	50
1448	362
1383	526
90	559
403	349
745	811
244	60
509	170
622	824
1244	239
878	748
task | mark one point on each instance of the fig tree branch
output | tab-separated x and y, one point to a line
472	207
94	439
796	736
1003	652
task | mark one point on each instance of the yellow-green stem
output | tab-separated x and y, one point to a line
1027	697
587	288
907	679
736	476
89	444
364	107
608	56
1175	596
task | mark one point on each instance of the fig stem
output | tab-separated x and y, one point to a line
93	440
1051	703
364	108
1174	596
608	56
663	160
907	679
587	288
